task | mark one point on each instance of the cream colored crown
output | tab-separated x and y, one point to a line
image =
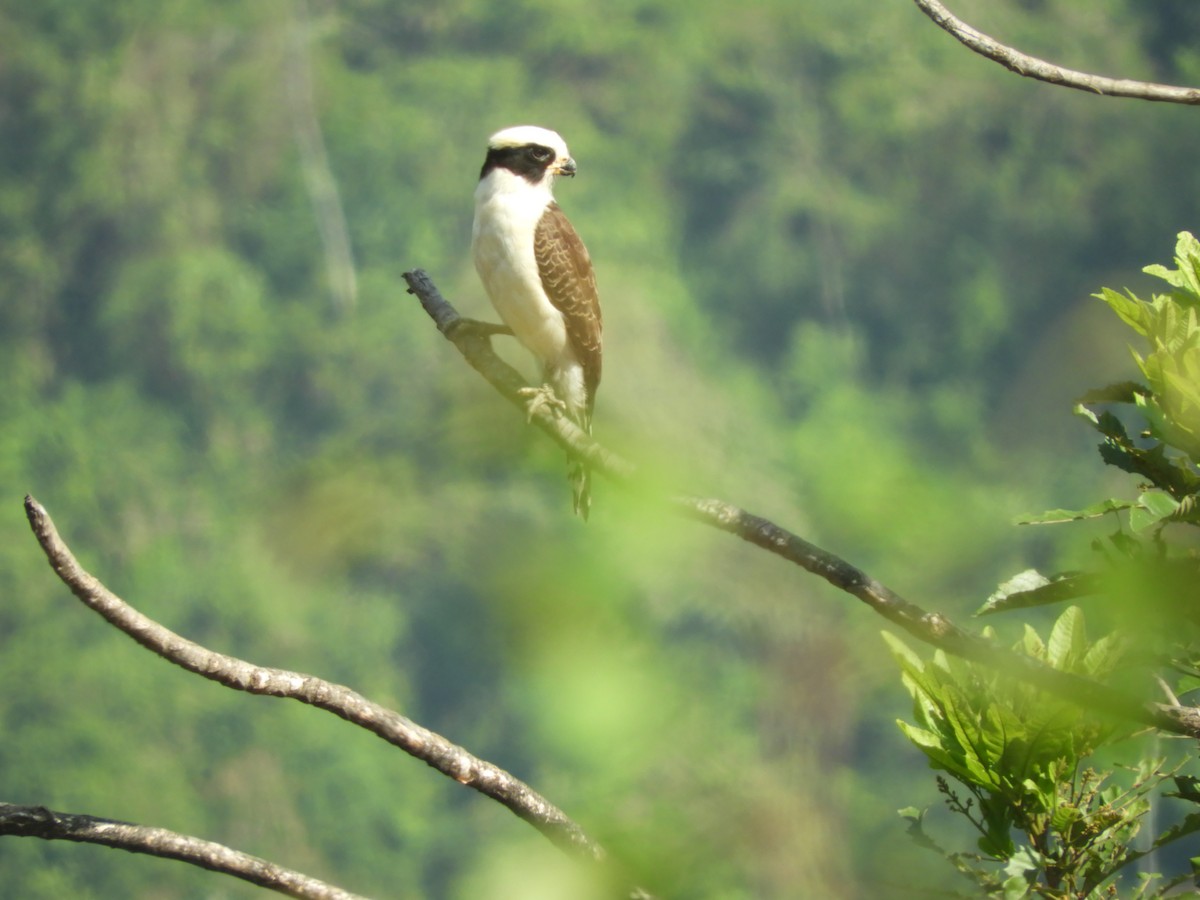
523	135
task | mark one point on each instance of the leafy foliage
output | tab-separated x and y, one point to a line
1170	401
1164	452
1020	757
1025	761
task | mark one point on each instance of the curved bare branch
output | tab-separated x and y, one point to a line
431	748
1032	67
472	339
39	822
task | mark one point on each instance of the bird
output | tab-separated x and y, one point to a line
539	277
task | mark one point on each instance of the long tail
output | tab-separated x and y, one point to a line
580	477
578	473
569	384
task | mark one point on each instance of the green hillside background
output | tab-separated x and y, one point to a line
845	267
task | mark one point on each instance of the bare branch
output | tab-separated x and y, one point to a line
930	627
934	628
473	340
432	748
37	821
1032	67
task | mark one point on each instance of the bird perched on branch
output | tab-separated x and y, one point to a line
539	276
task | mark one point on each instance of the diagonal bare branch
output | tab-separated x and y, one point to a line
473	341
39	822
425	745
1032	67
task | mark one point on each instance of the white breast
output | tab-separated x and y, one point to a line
507	209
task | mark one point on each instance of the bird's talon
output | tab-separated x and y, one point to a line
541	399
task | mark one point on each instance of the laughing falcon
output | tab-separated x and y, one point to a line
538	273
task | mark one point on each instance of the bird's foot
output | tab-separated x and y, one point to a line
541	399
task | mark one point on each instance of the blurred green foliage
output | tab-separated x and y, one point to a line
839	257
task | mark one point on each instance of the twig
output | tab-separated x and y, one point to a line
1032	67
930	627
37	821
1166	689
431	748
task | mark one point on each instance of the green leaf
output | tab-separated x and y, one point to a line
1187	258
924	690
1133	312
1056	516
1102	657
1083	412
1030	588
1187	787
1032	643
1110	426
1029	580
1064	817
1158	270
1121	392
902	652
923	738
975	750
1152	507
929	744
916	829
998	843
1024	863
1068	640
1189	825
1016	887
1158	503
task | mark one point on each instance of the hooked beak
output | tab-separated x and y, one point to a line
566	167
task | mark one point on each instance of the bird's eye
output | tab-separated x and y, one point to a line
540	154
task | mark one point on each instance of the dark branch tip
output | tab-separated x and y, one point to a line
413	275
34	511
28	820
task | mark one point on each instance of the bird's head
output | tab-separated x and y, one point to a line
535	154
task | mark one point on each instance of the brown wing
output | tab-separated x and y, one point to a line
570	283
